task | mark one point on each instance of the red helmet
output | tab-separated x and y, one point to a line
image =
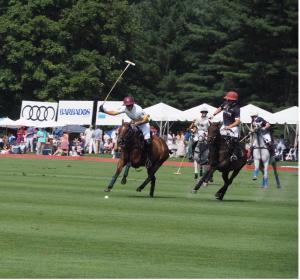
231	95
128	100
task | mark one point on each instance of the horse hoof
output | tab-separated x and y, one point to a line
218	196
196	176
193	191
278	186
254	178
205	184
123	181
107	190
138	190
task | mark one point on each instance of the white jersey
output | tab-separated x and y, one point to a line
202	125
137	113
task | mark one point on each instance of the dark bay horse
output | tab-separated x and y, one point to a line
131	142
220	150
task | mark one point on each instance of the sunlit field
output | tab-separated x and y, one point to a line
56	223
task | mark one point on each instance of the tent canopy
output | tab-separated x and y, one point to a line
192	113
164	112
286	116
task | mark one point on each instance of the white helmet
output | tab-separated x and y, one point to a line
254	114
203	109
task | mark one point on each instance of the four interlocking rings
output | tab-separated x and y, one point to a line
38	113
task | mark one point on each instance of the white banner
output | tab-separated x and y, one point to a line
38	111
105	119
75	112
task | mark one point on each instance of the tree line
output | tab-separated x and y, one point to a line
186	52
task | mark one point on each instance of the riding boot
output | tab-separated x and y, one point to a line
236	149
271	149
148	150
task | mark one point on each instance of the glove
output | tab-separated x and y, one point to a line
101	109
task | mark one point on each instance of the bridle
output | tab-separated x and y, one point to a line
125	138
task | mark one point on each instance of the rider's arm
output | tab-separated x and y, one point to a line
217	111
144	119
234	124
266	126
112	113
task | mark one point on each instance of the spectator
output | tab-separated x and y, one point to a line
180	144
6	150
20	134
11	140
42	136
1	143
98	139
58	133
29	138
108	146
280	147
89	139
63	147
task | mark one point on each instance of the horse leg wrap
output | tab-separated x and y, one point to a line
255	174
112	181
265	183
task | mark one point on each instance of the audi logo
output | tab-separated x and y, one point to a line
38	113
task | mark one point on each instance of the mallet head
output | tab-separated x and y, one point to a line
129	62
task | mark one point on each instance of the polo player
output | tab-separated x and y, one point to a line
258	124
230	128
138	118
199	126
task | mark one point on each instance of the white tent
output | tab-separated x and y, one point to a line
105	119
286	116
164	112
250	108
193	113
7	122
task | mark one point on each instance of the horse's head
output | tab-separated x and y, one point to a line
213	133
125	133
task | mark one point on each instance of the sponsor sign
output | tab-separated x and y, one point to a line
38	111
75	112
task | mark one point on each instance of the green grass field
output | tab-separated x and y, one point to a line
55	223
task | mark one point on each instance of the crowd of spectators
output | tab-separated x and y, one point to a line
96	141
59	143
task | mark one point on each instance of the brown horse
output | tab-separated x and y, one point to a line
220	151
131	142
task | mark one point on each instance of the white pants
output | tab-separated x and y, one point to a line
29	142
145	128
232	132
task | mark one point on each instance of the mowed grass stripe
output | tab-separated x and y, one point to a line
63	227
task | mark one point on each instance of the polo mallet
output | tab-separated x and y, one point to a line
178	171
246	137
128	64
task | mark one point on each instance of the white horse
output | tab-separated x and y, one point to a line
262	158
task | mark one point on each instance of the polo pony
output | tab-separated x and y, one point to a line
262	158
131	142
220	151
